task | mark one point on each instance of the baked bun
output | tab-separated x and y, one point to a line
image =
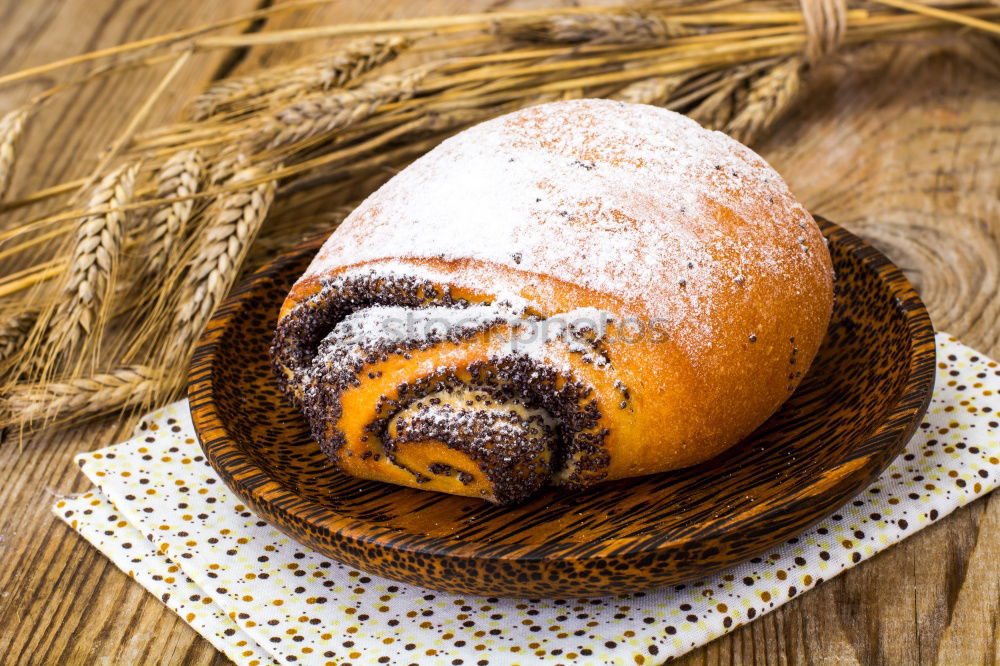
573	292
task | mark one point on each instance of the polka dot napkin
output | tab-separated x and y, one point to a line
160	513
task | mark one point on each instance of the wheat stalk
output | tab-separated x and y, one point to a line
280	84
179	177
718	107
94	260
627	28
768	97
656	90
322	114
716	110
226	163
232	225
14	333
11	129
38	404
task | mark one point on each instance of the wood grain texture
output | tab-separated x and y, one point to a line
912	165
61	602
663	529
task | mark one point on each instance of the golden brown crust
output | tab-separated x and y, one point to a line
723	340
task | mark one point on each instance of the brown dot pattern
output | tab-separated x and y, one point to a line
162	515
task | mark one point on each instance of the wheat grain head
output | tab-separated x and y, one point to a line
767	98
716	109
323	113
179	177
231	225
11	129
14	331
656	90
38	404
598	28
276	85
85	302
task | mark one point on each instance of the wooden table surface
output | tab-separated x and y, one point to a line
911	163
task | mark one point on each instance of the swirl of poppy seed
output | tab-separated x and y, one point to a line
508	444
501	428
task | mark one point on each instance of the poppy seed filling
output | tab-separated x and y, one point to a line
514	422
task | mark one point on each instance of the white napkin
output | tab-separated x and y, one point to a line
161	514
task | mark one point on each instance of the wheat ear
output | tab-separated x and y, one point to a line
280	84
716	110
656	90
719	107
14	333
93	263
232	223
226	163
11	129
324	113
768	97
178	178
627	28
45	403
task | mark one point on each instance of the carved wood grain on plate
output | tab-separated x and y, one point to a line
857	407
911	164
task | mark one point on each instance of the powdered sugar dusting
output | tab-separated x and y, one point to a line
629	200
402	328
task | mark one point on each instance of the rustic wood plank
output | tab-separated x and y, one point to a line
61	600
974	630
913	167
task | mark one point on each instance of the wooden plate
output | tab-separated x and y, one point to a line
864	396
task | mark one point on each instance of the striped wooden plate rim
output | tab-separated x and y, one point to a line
251	483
